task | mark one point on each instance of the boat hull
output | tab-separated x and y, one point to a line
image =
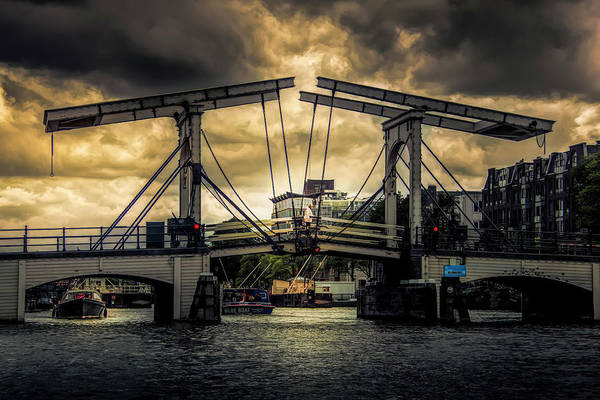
80	308
246	308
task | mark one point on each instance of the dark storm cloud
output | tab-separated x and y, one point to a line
18	93
511	47
124	46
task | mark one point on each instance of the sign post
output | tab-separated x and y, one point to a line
455	271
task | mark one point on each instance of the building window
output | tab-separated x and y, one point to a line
559	184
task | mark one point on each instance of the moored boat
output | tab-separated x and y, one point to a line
80	304
246	301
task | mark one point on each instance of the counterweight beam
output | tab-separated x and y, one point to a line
492	122
167	105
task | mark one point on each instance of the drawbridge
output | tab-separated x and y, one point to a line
176	254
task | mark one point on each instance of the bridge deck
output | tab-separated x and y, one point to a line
339	236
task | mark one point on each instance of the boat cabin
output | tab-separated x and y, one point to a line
81	294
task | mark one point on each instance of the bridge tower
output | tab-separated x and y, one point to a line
186	108
403	125
189	126
403	129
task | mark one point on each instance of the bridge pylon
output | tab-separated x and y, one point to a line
398	131
189	126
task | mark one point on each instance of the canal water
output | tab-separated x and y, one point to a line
296	353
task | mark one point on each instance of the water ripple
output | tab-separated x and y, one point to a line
324	353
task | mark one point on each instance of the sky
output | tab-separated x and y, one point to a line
538	58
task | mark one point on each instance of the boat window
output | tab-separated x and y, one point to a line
238	295
259	294
250	295
227	296
79	296
68	296
256	295
97	296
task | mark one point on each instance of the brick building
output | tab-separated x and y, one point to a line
534	196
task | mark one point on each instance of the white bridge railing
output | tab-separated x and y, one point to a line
226	234
285	229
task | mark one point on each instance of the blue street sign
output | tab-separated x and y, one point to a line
454	271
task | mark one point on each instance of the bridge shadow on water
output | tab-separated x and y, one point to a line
542	300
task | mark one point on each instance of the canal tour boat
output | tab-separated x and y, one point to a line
80	304
246	301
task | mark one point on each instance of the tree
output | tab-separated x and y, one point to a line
586	193
377	213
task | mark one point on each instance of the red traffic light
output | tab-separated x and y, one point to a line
196	226
435	228
317	249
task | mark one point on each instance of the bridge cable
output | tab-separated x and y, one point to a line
52	155
325	159
465	192
229	182
217	189
366	180
543	143
190	200
287	163
449	195
261	274
352	218
312	125
316	270
298	274
262	102
138	195
428	194
235	217
356	215
220	201
223	268
251	272
149	206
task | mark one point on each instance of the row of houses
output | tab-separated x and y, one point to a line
535	196
532	196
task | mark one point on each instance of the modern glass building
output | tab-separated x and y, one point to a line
334	203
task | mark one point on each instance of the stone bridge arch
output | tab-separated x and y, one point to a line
544	298
163	298
174	276
565	287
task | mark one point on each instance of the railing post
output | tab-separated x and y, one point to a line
64	239
90	242
25	240
57	243
137	228
101	240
